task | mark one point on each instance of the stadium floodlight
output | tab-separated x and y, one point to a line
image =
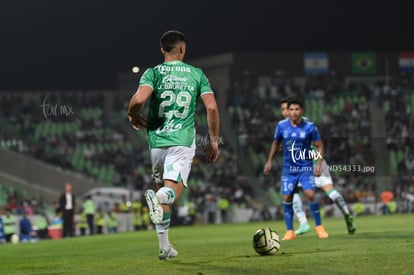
135	69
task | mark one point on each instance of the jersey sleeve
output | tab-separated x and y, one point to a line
148	78
315	133
278	133
204	84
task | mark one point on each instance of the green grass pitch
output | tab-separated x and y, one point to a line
381	245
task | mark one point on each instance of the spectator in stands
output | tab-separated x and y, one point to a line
125	205
100	221
9	225
223	204
239	197
89	211
137	220
210	206
82	223
27	234
27	208
112	222
67	206
386	197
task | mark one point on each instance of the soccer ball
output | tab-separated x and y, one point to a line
266	241
15	239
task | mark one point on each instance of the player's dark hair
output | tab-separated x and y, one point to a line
170	39
285	99
295	100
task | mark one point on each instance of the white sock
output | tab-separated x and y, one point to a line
298	209
162	231
336	197
163	240
166	195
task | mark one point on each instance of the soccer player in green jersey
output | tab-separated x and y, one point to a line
174	87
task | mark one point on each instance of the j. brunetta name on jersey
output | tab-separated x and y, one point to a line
164	69
176	86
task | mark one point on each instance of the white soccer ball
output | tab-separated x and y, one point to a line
266	241
15	239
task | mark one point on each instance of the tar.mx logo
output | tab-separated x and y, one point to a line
303	154
50	110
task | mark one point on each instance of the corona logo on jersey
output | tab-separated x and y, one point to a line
165	69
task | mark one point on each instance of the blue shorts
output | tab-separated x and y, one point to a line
290	181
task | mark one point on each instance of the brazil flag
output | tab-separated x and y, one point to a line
364	63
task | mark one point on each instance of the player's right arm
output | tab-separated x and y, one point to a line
136	104
273	149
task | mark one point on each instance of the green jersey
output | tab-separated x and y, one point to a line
176	87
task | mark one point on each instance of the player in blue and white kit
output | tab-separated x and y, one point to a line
296	136
325	182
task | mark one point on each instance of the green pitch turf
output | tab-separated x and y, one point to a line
381	245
